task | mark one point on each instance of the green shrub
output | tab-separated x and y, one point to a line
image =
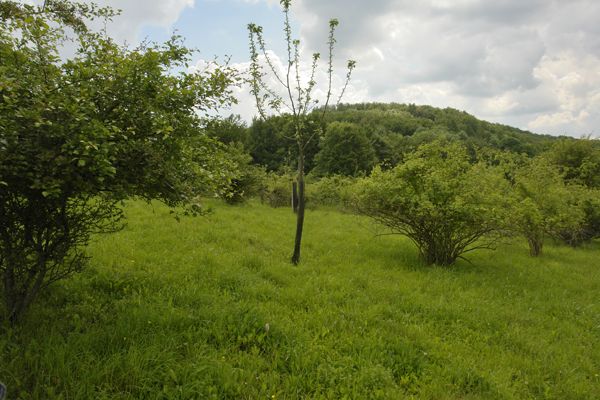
277	191
333	191
249	183
544	205
246	181
437	198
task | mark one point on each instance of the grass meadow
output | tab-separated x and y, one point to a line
210	308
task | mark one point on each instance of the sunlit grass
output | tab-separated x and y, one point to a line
210	308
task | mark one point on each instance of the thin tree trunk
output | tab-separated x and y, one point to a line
10	295
17	300
535	247
300	215
295	196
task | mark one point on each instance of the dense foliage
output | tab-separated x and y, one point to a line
578	162
543	204
271	143
444	203
391	121
78	136
392	131
345	150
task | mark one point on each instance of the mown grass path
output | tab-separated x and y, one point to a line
210	308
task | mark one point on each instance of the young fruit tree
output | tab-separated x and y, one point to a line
289	95
446	204
80	135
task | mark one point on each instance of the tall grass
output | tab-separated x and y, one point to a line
210	308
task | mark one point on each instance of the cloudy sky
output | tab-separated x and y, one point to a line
534	64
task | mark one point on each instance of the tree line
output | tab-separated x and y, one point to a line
516	182
377	133
451	196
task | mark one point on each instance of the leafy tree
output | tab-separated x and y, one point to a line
78	136
345	150
577	160
386	145
513	144
267	143
271	142
297	100
230	130
445	204
543	204
579	163
246	179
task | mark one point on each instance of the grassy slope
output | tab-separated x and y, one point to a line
178	310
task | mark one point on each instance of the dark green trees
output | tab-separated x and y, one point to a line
345	150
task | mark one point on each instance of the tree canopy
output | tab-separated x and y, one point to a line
79	135
393	130
345	150
438	198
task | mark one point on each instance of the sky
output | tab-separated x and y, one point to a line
533	64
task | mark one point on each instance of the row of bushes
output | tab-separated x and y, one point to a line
450	200
276	190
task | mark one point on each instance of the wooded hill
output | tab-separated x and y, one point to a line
411	120
376	133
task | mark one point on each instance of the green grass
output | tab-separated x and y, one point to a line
172	310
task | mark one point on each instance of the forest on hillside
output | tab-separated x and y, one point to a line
375	133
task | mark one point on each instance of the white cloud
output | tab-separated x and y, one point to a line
139	14
534	64
531	63
575	82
